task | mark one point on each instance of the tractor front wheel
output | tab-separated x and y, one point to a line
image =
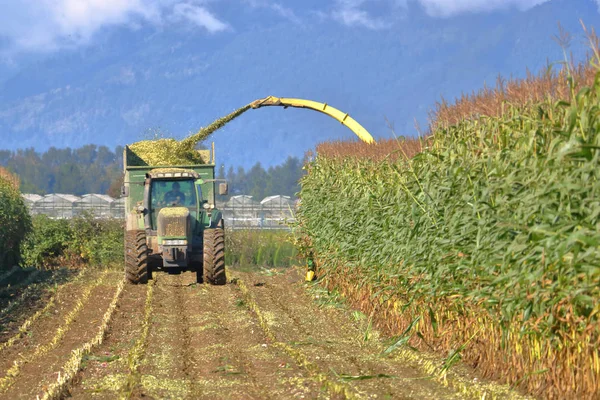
214	256
136	257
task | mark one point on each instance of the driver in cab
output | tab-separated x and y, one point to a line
174	196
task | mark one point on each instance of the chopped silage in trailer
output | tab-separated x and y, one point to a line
165	152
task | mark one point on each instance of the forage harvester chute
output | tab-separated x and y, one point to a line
324	108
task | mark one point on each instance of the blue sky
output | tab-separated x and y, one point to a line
74	72
42	26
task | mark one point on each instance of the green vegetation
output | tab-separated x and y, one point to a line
79	240
15	222
488	239
259	248
88	169
86	240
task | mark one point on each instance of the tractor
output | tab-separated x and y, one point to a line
172	223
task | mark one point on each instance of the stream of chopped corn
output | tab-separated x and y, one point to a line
164	152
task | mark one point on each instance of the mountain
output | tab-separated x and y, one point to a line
133	83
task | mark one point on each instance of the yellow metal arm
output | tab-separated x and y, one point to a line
342	117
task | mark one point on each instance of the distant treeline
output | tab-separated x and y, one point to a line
88	169
98	169
260	183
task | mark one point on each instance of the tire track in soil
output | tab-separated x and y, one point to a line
329	340
105	369
304	336
227	354
165	371
336	388
34	376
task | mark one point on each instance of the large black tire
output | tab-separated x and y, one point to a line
214	256
136	257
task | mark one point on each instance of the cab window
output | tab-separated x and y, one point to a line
171	193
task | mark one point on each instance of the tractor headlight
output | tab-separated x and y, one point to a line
174	242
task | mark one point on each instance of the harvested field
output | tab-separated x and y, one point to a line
263	336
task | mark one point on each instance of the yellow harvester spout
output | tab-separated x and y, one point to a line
340	116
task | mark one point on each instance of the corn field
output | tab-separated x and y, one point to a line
484	246
14	219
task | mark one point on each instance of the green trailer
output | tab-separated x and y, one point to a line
172	223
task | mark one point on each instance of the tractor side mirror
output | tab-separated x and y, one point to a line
223	189
124	191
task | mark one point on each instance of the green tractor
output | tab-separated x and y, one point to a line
172	224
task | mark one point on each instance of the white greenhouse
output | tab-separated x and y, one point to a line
55	205
240	212
30	200
98	205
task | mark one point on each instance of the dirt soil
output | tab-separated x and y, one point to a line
262	336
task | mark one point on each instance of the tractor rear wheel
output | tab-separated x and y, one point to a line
136	257
214	256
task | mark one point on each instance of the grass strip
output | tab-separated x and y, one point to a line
29	290
339	388
72	366
27	324
32	277
14	371
8	273
136	355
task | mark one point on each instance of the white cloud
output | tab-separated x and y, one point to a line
448	8
358	17
47	25
286	12
350	13
277	7
200	16
356	12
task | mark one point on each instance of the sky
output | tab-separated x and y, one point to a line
45	26
108	72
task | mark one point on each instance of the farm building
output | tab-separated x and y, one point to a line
30	199
277	208
117	208
96	204
277	202
242	201
241	211
55	205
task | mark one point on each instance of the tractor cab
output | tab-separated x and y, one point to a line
173	200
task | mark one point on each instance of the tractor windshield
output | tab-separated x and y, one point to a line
172	193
